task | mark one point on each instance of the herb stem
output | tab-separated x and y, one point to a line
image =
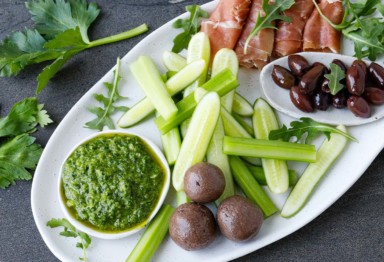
118	37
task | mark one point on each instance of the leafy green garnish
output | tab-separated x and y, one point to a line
336	75
103	114
71	231
190	26
60	33
16	155
306	126
358	25
272	12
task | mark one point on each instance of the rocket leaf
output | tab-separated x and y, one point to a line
336	75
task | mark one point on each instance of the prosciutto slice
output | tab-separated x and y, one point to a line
289	36
318	34
260	47
225	24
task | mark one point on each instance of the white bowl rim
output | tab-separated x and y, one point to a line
106	235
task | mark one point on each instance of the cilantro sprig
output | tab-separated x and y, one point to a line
272	12
61	31
334	77
358	25
18	150
190	26
306	129
71	231
103	114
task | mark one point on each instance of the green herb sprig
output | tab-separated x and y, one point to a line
71	231
190	26
306	126
334	77
103	114
60	33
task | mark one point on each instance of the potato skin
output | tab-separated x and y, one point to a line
238	218
204	182
192	226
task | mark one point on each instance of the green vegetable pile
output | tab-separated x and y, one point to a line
60	33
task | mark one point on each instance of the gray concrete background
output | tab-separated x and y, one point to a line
350	230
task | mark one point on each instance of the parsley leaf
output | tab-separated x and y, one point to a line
308	127
190	26
272	12
16	155
103	114
24	116
336	75
71	231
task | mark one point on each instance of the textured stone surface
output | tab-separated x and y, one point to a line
350	230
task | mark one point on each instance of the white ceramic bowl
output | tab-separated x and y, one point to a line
106	235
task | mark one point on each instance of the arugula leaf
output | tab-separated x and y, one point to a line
71	231
23	117
17	155
103	114
307	126
272	12
190	26
334	77
54	17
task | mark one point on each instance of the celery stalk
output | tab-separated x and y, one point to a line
272	149
196	141
153	236
250	187
149	79
216	157
259	175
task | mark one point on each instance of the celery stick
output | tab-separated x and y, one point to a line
258	174
244	124
149	79
231	126
276	171
153	236
222	83
226	58
181	198
173	62
241	106
198	136
171	144
250	187
198	48
216	157
328	152
269	149
174	85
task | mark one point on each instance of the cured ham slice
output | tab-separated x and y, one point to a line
260	47
289	36
318	34
225	24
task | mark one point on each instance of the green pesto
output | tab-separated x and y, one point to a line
112	183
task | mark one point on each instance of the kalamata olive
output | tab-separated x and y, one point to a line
376	73
321	100
340	99
238	218
192	226
312	78
282	77
374	95
298	65
359	106
340	64
355	78
204	182
324	86
301	101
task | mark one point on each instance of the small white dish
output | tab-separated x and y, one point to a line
279	97
116	235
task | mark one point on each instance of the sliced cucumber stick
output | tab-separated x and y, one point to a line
196	141
276	171
328	152
241	106
173	62
231	126
171	144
